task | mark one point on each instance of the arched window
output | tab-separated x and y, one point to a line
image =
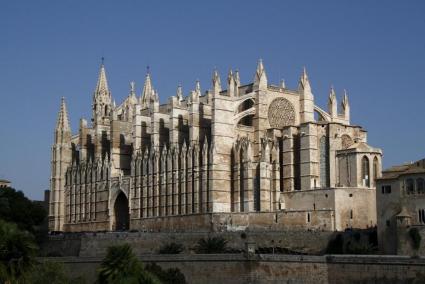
365	171
375	168
420	186
324	162
410	186
106	110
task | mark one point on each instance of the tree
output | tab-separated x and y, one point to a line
16	208
17	250
121	265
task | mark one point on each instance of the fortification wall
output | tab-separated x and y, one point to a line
236	268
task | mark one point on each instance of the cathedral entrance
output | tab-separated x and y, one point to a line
122	217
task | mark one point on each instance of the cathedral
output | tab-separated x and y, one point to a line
234	157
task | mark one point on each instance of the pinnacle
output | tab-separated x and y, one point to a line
102	83
63	121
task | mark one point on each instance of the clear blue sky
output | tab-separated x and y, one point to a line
50	49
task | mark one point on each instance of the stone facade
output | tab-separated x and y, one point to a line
400	197
241	152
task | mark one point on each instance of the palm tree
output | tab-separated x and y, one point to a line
211	245
122	266
17	251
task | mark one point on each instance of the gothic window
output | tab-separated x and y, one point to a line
410	187
420	185
365	171
106	110
375	168
324	162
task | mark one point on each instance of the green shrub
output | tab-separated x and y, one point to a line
416	238
171	248
211	245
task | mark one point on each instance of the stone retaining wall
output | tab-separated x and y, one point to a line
238	268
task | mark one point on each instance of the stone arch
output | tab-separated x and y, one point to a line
121	212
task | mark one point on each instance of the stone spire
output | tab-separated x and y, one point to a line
260	79
63	121
102	98
147	92
282	84
216	82
332	103
102	88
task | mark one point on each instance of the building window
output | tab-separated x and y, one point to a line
386	189
420	186
410	187
351	214
421	216
365	171
308	217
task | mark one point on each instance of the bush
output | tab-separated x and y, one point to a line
416	238
211	245
171	248
171	275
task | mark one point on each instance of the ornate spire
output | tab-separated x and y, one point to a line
63	121
147	91
102	83
332	95
282	84
231	84
237	78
